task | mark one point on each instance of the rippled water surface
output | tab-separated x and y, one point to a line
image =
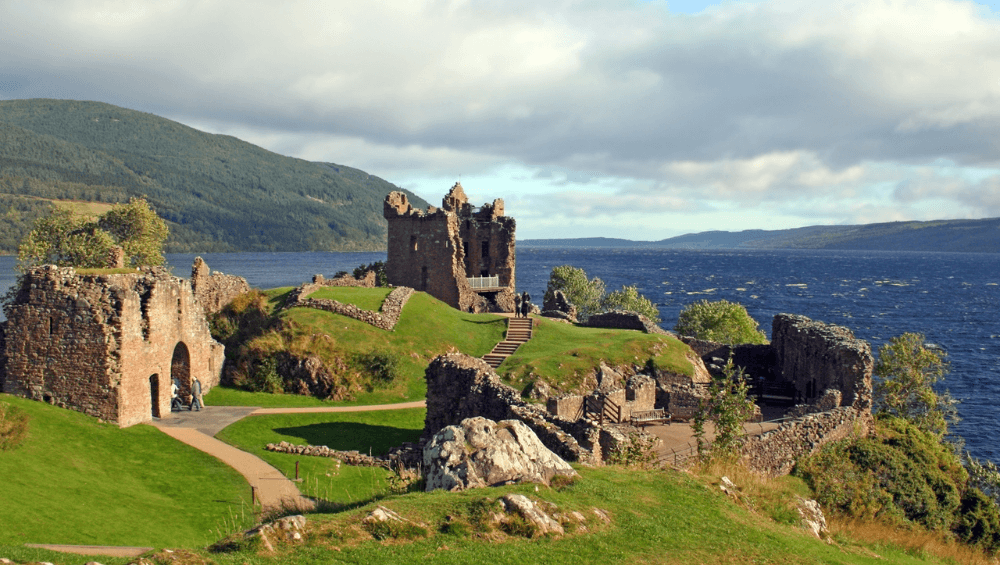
952	298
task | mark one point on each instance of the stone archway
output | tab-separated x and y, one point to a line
180	371
154	394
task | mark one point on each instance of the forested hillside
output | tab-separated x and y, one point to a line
216	192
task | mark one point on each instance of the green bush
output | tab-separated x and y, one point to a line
13	426
628	298
589	297
382	366
728	405
378	266
906	475
905	375
720	321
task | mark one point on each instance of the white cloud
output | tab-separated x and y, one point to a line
813	110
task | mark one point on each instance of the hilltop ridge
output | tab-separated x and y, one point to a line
217	192
963	236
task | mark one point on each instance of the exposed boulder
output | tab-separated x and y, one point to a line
480	452
527	509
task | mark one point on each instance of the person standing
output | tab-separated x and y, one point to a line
525	303
517	305
196	401
175	401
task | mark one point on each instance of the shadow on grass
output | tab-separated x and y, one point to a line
348	436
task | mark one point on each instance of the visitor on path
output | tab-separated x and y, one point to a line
175	401
196	401
517	305
525	304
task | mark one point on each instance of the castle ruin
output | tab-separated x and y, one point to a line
461	255
109	345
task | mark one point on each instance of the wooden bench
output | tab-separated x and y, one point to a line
650	417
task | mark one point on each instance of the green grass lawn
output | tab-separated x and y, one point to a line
77	481
364	298
563	354
367	432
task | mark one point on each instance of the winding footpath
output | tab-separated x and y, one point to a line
273	489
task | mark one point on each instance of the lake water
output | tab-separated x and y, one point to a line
952	298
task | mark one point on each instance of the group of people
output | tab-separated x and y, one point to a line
176	404
522	305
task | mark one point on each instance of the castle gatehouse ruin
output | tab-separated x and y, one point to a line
461	255
107	345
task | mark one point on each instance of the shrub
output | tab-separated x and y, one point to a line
382	366
720	321
727	406
378	266
589	297
902	474
13	426
905	374
628	298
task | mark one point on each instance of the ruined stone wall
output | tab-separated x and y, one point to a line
367	281
774	453
215	290
386	318
460	387
107	345
816	356
437	250
625	320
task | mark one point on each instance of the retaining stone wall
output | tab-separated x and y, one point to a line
774	453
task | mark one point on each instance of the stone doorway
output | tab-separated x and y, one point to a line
154	393
180	371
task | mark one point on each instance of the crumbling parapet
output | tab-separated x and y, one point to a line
107	345
439	250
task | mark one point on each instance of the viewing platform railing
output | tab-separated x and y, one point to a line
484	282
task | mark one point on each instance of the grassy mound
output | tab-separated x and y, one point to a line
74	480
258	337
565	355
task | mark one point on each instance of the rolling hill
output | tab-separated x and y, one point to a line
963	236
218	193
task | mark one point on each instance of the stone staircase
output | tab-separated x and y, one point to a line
518	332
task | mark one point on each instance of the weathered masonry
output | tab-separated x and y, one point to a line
461	255
107	345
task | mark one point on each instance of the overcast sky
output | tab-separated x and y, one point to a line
635	119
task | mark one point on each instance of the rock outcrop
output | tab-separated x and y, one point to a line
480	452
558	306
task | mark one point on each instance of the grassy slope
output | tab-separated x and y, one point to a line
78	481
563	354
657	517
367	432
